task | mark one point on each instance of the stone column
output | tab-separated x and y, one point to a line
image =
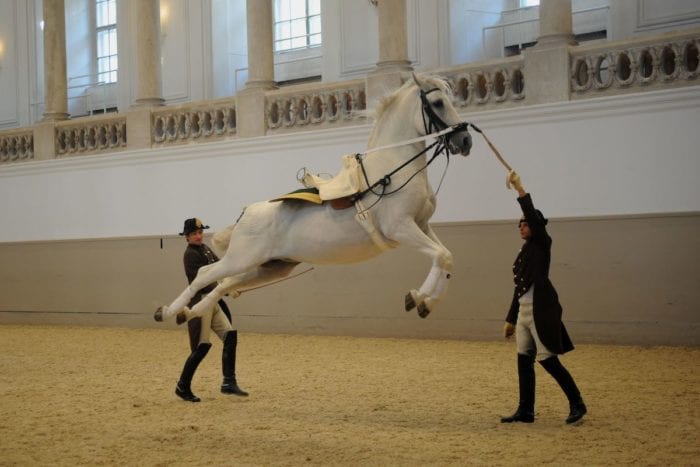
393	41
261	72
556	24
547	64
250	102
393	65
148	71
55	79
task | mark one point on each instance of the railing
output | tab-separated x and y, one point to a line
637	65
89	135
487	84
194	122
313	105
602	69
17	145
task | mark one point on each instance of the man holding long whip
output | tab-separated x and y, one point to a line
535	313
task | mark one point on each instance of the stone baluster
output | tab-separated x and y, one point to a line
393	64
250	102
547	63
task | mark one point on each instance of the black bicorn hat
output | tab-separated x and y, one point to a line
192	225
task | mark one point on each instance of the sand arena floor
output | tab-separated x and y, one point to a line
104	396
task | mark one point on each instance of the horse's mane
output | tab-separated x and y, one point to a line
427	81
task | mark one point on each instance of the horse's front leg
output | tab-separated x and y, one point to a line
235	285
428	296
205	276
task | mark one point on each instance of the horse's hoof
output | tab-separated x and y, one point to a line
180	318
410	303
158	315
423	310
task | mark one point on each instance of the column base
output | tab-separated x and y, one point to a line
149	102
54	116
264	85
555	40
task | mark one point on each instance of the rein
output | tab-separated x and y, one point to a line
440	147
433	121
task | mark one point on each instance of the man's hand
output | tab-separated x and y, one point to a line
513	181
508	330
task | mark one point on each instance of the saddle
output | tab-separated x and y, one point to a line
337	190
311	195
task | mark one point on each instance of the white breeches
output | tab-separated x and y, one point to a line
528	342
215	320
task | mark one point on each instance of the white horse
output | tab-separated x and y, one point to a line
271	238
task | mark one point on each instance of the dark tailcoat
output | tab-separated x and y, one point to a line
531	267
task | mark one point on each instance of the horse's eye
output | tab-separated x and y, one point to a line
439	104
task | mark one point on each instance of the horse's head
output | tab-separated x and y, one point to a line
438	113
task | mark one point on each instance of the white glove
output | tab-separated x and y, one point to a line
513	180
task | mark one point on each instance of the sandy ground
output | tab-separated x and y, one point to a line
104	396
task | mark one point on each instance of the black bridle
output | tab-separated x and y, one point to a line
433	122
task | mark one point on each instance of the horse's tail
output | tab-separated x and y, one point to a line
222	238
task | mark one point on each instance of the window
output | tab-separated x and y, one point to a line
527	3
297	24
106	34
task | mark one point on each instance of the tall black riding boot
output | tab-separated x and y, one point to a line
183	388
526	381
577	409
228	365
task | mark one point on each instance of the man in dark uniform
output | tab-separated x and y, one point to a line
198	254
535	315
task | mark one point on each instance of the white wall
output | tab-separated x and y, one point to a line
613	156
630	18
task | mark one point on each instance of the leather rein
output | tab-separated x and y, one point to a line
433	121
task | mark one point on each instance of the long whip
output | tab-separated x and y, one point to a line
493	148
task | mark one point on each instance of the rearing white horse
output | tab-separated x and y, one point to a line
271	238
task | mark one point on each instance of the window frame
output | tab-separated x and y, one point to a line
307	36
110	75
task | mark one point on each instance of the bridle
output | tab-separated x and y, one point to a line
433	122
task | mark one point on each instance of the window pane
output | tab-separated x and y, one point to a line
315	39
113	41
314	24
102	43
314	7
102	13
112	12
298	8
282	10
282	30
102	64
299	42
283	45
298	27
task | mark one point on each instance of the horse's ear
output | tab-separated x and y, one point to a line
415	78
